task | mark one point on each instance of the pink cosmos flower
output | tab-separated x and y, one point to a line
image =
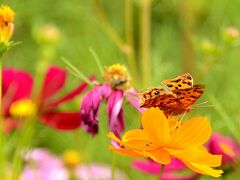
42	165
112	91
226	146
170	172
18	85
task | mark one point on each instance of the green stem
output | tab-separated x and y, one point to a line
161	172
23	145
96	58
113	166
227	120
2	137
131	55
76	72
145	41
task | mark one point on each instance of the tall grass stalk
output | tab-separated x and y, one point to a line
146	41
129	29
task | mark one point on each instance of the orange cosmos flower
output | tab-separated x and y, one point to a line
163	138
6	23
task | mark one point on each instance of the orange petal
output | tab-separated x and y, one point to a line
204	169
194	132
156	126
161	156
136	134
115	138
125	152
199	156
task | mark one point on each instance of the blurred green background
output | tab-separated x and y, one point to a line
186	36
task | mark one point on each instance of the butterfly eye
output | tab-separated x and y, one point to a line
156	92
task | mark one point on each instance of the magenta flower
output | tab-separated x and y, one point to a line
170	172
18	85
111	91
225	146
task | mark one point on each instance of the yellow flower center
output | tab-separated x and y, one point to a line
174	123
71	158
24	108
227	149
117	76
6	23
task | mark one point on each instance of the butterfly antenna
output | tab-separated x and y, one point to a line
183	116
205	102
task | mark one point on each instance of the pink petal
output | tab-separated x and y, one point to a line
90	107
16	85
62	120
115	112
169	173
133	97
72	94
214	146
97	172
54	81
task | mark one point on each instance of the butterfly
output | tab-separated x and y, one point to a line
177	99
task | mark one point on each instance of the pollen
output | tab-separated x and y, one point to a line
24	108
116	75
71	158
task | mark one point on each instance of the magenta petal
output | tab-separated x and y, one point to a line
169	173
62	120
15	85
115	112
90	107
54	81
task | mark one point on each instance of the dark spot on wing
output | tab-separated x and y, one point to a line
179	85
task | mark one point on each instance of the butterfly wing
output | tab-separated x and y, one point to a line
184	81
188	96
158	97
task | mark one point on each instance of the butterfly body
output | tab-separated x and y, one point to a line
178	99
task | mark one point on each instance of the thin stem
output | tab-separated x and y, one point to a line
2	138
161	172
145	41
113	166
76	72
108	27
96	58
227	120
130	37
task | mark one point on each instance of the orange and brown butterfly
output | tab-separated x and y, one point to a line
177	99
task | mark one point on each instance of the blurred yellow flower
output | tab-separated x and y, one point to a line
164	138
6	23
71	158
24	108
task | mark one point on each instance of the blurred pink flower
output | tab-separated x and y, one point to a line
226	146
96	171
43	165
18	85
170	171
